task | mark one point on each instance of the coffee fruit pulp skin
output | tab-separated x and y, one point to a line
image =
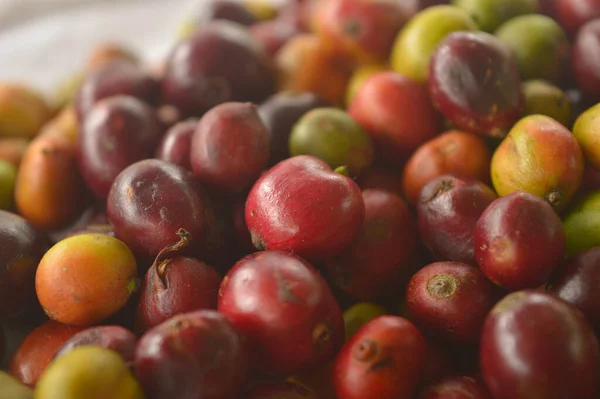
114	337
230	147
457	387
384	359
363	29
450	300
383	256
474	82
115	77
89	371
491	14
292	219
519	241
280	113
238	69
287	313
176	284
419	38
301	205
21	247
551	338
452	152
150	201
539	46
176	142
171	358
86	278
37	350
332	135
539	156
447	212
576	281
116	132
396	111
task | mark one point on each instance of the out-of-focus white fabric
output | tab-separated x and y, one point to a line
44	41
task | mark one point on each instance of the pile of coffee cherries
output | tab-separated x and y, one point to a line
319	199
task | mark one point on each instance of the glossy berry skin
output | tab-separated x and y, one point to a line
447	212
21	249
384	255
539	156
176	285
573	14
118	77
274	34
474	82
383	360
285	310
226	10
115	133
197	355
586	56
450	300
519	241
577	281
397	112
150	201
230	147
116	338
301	205
175	144
452	152
364	29
220	62
280	113
280	390
456	387
37	350
535	345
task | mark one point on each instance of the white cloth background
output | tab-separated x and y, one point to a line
44	41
